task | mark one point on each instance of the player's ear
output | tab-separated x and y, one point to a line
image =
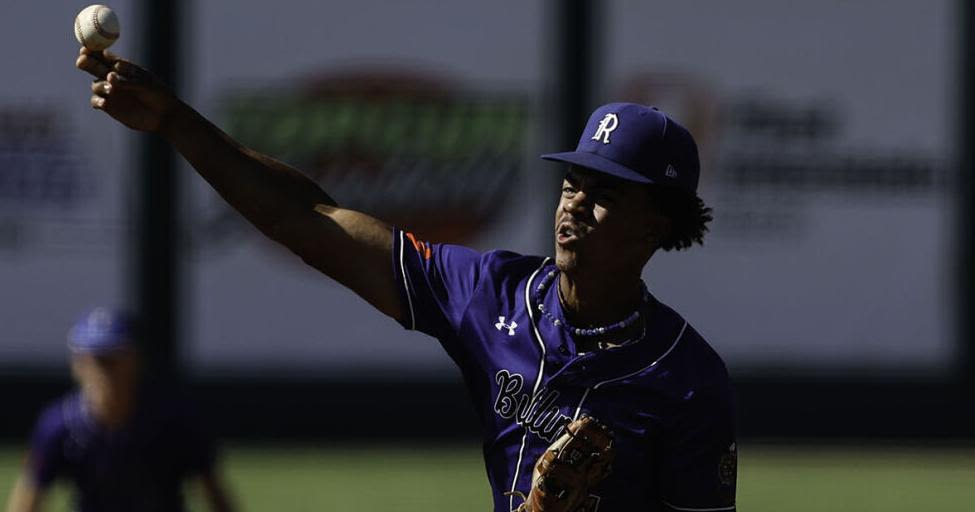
656	228
656	231
654	223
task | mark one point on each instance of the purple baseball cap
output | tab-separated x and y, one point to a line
102	331
636	143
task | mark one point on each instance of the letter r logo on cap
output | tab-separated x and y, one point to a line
606	127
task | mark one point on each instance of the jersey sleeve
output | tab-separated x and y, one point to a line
698	463
45	458
436	283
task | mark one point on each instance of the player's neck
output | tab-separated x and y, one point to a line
599	301
113	412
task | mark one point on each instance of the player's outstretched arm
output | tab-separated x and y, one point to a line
352	248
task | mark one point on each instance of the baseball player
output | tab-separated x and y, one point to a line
123	445
571	361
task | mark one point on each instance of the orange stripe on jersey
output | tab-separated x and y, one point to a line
421	247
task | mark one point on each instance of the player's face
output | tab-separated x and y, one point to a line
107	381
604	223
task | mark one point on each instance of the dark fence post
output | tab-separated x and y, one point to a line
157	274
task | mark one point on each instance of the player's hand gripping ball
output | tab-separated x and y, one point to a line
96	27
577	461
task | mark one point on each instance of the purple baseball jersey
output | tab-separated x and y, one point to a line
668	398
136	468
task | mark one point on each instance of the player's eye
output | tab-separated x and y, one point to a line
568	190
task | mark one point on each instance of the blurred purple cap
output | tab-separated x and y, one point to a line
102	331
636	143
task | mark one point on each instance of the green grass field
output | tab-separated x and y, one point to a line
446	479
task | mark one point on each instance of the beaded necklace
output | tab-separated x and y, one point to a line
577	331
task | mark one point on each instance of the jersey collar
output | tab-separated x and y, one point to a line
613	365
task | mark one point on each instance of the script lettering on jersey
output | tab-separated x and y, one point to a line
538	413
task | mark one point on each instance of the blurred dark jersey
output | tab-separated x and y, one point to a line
137	468
668	397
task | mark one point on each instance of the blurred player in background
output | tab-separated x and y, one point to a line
122	444
540	342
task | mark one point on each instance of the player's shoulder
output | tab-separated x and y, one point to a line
58	431
508	270
501	261
691	357
451	256
58	418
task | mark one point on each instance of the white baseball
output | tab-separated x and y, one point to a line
96	27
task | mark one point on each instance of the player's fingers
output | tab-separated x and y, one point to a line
97	102
102	55
132	72
101	88
97	56
115	81
110	57
92	66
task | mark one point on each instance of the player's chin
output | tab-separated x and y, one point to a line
566	259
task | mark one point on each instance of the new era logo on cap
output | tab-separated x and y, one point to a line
636	143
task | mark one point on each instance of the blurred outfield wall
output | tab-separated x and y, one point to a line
825	129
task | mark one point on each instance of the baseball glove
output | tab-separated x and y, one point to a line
578	460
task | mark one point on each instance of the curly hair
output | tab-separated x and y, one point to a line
688	216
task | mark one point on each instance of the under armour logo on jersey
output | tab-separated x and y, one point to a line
670	172
511	327
606	127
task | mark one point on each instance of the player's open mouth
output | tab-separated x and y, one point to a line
567	233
